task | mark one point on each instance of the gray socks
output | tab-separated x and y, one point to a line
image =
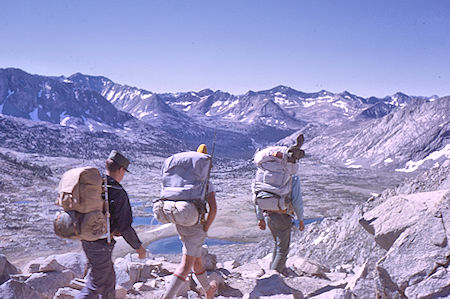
173	286
176	282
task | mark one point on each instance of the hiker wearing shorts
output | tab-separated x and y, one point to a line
102	278
193	238
280	222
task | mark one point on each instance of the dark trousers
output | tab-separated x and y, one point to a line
101	280
280	227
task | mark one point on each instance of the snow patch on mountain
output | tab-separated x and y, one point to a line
282	101
414	165
350	164
146	96
63	118
327	99
341	104
230	115
141	114
308	104
46	90
34	114
280	94
10	93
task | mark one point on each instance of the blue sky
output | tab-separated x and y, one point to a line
365	47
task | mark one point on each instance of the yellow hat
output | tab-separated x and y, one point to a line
202	149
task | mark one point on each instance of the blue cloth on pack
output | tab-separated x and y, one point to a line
297	200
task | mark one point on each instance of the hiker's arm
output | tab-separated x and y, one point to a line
124	218
142	253
297	201
259	213
212	210
262	224
260	218
132	238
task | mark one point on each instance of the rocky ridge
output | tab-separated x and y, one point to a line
404	225
338	126
53	140
48	99
404	140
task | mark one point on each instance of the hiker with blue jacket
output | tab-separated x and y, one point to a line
277	196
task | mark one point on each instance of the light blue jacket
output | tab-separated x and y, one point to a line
297	200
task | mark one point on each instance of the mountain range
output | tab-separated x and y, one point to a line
339	127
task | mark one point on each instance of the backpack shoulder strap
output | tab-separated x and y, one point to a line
115	187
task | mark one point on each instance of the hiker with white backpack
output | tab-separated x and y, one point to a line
186	196
277	196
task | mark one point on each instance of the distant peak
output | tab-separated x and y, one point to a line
250	93
346	93
283	89
205	92
325	92
83	77
400	94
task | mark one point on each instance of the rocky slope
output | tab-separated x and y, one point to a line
393	246
54	140
404	140
406	225
48	99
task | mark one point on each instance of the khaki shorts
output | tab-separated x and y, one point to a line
193	238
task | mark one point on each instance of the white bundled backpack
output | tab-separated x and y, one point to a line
273	181
185	179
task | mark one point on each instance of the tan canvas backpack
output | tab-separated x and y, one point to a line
80	195
80	189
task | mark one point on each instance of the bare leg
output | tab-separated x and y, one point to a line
186	265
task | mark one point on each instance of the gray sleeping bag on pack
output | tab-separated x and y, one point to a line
184	182
273	180
184	176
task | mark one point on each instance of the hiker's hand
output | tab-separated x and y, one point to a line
301	225
142	253
205	228
262	224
